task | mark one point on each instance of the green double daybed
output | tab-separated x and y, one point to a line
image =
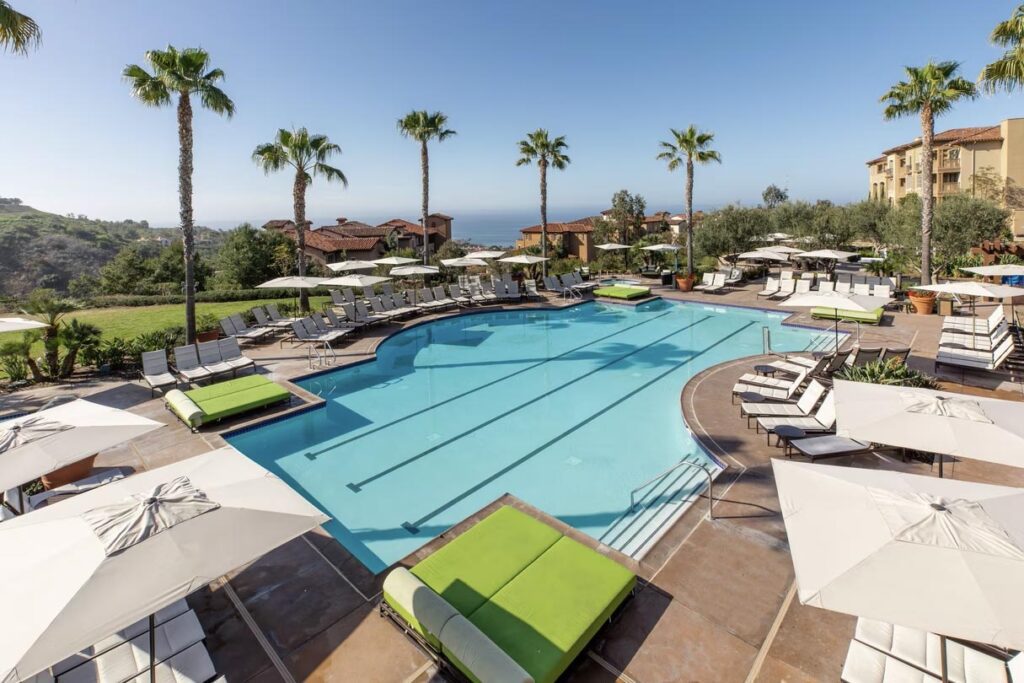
510	600
224	399
623	292
866	317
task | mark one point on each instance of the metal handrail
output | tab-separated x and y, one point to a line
682	463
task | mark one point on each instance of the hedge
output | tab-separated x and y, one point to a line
212	296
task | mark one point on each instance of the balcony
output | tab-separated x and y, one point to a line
948	188
948	164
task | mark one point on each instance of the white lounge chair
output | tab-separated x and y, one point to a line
826	287
865	664
973	359
456	295
981	342
401	305
823	420
771	287
187	365
862	289
796	364
803	286
775	382
209	356
786	289
843	287
441	296
264	320
155	372
531	290
975	325
717	283
802	408
778	392
705	281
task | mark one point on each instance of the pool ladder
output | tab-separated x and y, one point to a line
317	359
633	503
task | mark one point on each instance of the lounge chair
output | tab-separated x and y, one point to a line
426	296
975	325
530	288
264	320
276	316
792	367
865	355
826	287
786	289
231	354
717	283
803	286
513	293
862	289
981	342
442	297
898	354
316	326
494	620
225	399
570	284
776	382
734	277
500	289
363	313
771	287
457	296
882	291
705	281
580	283
244	330
823	420
209	356
973	359
489	291
865	664
387	289
348	295
829	446
843	287
402	305
786	275
782	391
230	329
187	365
336	299
339	324
379	309
802	408
155	372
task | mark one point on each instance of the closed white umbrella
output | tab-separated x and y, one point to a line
347	266
463	262
76	572
47	440
938	422
998	270
395	261
524	259
933	554
357	280
19	324
485	254
837	302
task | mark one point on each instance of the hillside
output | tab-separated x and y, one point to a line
40	249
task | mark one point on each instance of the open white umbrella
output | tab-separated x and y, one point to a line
763	255
19	324
933	554
611	246
78	571
291	282
827	255
463	262
47	440
357	280
938	422
404	271
777	236
783	249
395	261
485	254
997	270
524	259
837	302
973	288
347	266
662	248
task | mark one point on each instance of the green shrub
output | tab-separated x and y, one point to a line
210	296
891	372
12	361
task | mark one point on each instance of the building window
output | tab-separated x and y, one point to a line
950	178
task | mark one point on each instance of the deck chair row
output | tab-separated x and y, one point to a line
194	363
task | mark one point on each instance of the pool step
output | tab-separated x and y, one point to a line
659	505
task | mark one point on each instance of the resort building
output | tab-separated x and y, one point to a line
575	239
960	156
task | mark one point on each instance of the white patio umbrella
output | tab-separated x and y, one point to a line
763	255
998	270
524	259
463	262
76	572
937	422
485	254
837	302
357	280
47	440
783	249
291	282
404	271
662	248
933	554
395	261
611	246
777	236
975	289
827	255
347	266
19	324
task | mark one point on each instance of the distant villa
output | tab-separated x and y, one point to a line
348	239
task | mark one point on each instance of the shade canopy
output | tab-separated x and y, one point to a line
998	270
415	270
777	236
975	289
347	266
463	262
836	301
356	280
662	247
763	255
612	246
782	249
932	421
394	261
78	571
47	440
938	555
827	254
524	259
485	254
19	324
292	282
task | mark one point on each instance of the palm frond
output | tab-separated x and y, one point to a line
934	86
18	32
1011	31
145	87
330	173
216	100
1006	72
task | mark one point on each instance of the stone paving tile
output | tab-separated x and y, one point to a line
813	640
234	649
775	671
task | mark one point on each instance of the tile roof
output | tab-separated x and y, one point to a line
558	228
328	241
441	215
958	136
400	223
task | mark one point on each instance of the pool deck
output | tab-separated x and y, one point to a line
717	597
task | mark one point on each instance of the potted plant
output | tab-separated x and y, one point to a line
684	283
207	328
69	473
923	301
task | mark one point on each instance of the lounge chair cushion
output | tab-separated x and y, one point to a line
184	407
472	651
225	399
425	610
468	572
865	664
548	613
869	317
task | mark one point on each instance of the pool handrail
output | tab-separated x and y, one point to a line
681	463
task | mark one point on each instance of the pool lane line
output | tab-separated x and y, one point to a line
413	527
313	455
357	486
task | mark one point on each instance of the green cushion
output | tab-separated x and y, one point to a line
546	615
242	401
870	317
617	292
228	387
476	565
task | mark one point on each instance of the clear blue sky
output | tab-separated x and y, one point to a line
789	88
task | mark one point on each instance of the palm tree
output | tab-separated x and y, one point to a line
183	73
49	308
308	155
76	336
689	146
1008	71
424	127
928	91
546	151
18	32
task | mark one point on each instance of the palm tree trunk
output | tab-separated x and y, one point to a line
185	211
544	215
927	201
689	216
51	350
299	207
425	199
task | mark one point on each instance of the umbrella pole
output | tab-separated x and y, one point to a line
940	464
942	655
152	648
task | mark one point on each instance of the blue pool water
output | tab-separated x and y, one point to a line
568	410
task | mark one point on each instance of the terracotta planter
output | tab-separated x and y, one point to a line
210	335
69	473
924	302
684	283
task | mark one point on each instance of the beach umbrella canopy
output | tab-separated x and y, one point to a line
524	259
837	302
932	554
463	262
485	254
778	236
47	440
763	255
291	282
356	280
612	246
395	261
415	270
783	249
346	266
91	565
19	324
827	255
998	270
662	247
939	422
974	288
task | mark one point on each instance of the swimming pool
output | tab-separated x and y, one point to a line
622	282
567	409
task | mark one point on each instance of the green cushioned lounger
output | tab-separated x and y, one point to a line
218	401
622	292
868	317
